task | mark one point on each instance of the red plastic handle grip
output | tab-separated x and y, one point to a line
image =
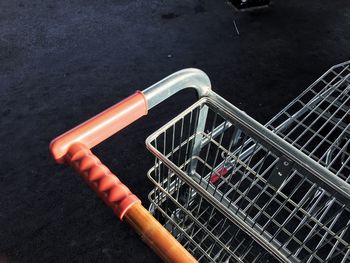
102	126
107	186
74	146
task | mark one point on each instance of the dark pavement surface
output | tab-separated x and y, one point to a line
63	62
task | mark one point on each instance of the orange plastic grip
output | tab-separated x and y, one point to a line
102	126
107	186
74	146
125	204
156	236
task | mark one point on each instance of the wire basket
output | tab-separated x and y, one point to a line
230	190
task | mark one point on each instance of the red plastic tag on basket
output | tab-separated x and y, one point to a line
216	176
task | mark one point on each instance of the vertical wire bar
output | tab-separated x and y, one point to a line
346	256
199	130
234	167
178	180
245	174
215	159
188	136
207	151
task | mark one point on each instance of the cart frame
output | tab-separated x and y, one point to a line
73	148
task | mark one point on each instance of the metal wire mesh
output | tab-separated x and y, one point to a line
317	121
218	188
198	225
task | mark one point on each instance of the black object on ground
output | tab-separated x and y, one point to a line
249	4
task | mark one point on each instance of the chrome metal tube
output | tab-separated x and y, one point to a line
186	78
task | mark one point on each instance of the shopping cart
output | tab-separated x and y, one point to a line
227	188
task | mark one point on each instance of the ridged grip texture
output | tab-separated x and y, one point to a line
107	186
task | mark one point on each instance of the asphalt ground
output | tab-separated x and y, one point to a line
63	62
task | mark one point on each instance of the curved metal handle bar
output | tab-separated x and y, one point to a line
186	78
120	115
